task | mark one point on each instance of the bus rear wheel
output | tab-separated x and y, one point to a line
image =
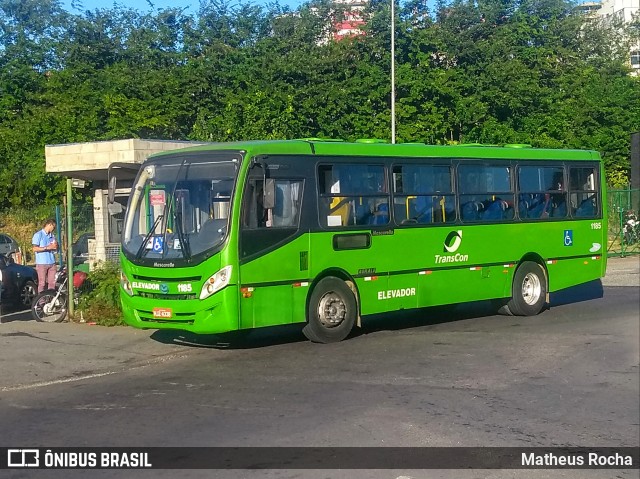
529	290
331	312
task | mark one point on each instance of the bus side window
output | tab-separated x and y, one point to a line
353	195
285	212
583	192
542	192
485	193
423	194
254	215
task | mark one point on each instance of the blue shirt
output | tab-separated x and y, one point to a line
43	239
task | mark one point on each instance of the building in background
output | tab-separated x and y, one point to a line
350	18
616	14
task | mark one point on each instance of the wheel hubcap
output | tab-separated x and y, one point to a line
331	310
27	295
531	289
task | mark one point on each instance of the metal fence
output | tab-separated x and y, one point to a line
624	225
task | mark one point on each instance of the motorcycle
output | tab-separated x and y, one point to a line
631	228
51	305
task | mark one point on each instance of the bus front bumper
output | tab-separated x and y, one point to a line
215	314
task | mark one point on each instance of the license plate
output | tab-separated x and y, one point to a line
162	313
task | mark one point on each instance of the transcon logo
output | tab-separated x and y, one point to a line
451	244
456	258
452	241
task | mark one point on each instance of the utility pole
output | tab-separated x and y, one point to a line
70	248
393	71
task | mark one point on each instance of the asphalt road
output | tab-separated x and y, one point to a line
458	376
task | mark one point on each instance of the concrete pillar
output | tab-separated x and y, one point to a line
101	219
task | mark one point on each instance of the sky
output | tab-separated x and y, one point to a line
143	5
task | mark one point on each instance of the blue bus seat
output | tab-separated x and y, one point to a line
541	206
560	210
381	215
495	211
586	209
363	214
472	210
524	204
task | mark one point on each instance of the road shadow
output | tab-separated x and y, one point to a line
245	339
391	321
577	294
10	313
416	318
292	333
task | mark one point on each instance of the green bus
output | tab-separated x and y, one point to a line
233	236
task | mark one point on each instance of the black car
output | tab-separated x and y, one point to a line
19	283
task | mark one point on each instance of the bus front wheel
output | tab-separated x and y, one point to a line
529	290
331	312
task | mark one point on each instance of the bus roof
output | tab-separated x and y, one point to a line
322	147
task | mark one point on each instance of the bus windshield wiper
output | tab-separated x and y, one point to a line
142	248
171	207
183	238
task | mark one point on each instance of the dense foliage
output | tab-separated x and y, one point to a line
491	71
100	299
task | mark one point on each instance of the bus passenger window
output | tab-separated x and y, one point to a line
353	195
423	194
542	192
485	193
583	192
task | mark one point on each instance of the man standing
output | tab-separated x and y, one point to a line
44	246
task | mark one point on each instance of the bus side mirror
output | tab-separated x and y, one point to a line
128	170
114	208
269	200
111	195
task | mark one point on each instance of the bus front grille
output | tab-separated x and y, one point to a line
172	321
165	296
185	279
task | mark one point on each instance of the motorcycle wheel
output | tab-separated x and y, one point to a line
628	238
43	311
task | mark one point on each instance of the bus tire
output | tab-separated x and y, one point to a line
331	312
502	307
529	290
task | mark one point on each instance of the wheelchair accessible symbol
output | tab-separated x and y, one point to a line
568	237
158	244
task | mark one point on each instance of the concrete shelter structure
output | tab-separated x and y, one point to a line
90	162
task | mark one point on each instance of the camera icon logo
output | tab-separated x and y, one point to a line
23	458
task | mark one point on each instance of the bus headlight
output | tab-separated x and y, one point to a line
126	285
216	282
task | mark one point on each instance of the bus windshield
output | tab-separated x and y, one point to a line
179	207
